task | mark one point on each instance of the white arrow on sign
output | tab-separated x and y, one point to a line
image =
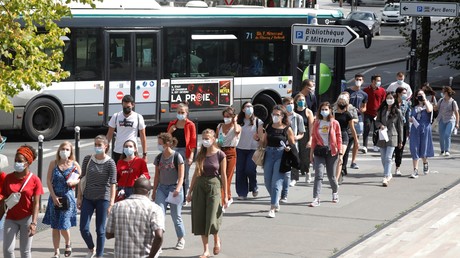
429	9
322	35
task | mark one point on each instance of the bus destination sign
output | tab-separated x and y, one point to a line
322	35
265	35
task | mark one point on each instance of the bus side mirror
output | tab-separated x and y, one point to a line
363	30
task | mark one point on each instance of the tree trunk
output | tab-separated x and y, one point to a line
425	51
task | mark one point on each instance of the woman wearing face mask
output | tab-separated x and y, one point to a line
246	169
389	119
129	168
208	183
99	194
326	146
169	176
305	142
183	129
421	141
347	129
404	107
63	173
275	137
448	118
229	136
21	217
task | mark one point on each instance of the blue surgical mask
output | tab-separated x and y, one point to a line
378	84
400	82
249	111
404	97
290	108
98	150
19	166
128	151
301	103
161	148
442	94
324	113
181	116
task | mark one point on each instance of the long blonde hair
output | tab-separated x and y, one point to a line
201	156
72	155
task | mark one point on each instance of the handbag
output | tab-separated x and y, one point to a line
258	156
321	151
83	177
64	204
14	198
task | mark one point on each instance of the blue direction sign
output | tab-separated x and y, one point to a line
429	9
322	35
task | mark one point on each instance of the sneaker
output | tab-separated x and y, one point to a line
315	203
293	182
364	150
255	193
376	149
283	200
241	198
426	170
385	181
398	172
335	197
447	154
271	214
91	254
180	244
442	153
389	177
308	178
340	181
354	166
277	209
414	174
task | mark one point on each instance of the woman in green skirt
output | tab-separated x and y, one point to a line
206	192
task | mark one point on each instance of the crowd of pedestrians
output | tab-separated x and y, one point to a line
118	188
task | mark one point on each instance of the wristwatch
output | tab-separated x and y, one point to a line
144	154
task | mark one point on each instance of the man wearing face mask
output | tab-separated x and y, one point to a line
308	90
376	95
358	98
400	83
127	123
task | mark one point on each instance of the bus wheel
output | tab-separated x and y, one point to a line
263	105
43	117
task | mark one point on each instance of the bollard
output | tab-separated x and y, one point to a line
114	137
40	165
77	151
451	79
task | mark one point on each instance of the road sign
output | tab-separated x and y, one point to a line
429	9
322	35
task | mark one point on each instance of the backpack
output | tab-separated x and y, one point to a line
175	159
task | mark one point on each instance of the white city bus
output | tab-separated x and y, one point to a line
210	57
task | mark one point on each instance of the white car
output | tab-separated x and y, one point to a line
390	15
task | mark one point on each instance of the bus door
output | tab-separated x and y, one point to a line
132	68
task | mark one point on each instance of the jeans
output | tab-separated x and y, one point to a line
328	163
186	183
386	154
246	173
176	210
87	210
445	132
272	176
12	227
286	182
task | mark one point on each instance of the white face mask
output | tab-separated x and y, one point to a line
390	101
227	120
358	83
276	119
207	143
64	154
378	84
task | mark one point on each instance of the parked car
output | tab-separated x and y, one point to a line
368	2
391	15
370	19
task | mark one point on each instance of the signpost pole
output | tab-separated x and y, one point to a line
413	59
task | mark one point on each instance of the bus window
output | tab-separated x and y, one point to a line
176	49
146	60
214	53
88	55
120	65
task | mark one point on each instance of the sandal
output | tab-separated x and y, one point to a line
216	249
68	250
56	255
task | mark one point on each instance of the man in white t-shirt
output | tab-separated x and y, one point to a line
127	123
400	83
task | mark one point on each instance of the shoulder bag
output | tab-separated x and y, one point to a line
14	198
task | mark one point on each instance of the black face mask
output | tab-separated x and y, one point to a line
342	106
127	110
420	98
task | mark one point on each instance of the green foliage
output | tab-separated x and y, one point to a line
29	57
449	28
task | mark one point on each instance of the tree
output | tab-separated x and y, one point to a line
449	28
31	45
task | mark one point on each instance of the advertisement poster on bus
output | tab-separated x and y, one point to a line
202	93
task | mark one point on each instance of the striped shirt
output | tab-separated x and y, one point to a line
101	175
133	222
